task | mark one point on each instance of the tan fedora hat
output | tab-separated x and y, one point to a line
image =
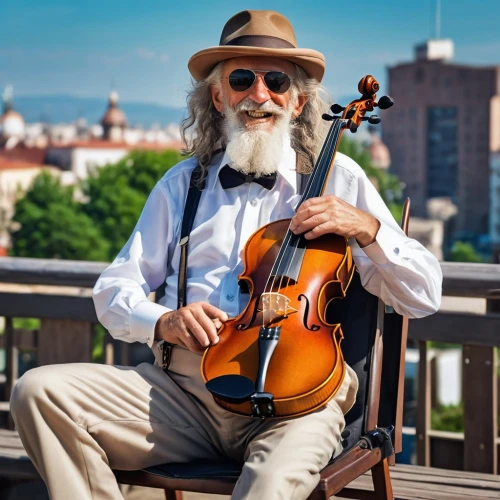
257	33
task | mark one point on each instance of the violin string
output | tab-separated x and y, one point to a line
289	234
334	138
316	172
309	187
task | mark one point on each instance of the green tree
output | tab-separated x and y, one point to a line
387	184
117	193
464	252
50	224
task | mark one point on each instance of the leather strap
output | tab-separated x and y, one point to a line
302	180
192	202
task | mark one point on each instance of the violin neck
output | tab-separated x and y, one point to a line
291	254
324	164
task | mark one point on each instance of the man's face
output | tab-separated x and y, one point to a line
224	95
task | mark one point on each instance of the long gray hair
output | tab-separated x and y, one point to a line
307	130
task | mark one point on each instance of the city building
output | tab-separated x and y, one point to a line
442	131
12	126
379	153
114	121
69	150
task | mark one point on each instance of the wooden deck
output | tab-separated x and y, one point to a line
409	481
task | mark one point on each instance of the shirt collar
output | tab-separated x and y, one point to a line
286	166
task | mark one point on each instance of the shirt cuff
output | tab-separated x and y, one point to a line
142	321
387	247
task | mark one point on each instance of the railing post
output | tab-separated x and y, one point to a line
480	408
11	367
424	406
64	341
11	364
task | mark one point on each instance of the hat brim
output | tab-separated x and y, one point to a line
201	64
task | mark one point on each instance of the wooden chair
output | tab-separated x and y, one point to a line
374	346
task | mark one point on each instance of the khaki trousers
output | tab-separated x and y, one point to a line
80	421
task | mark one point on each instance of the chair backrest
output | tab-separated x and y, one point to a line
374	346
357	313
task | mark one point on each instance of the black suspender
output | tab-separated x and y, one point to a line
192	202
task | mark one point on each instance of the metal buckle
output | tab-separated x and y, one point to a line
262	405
166	355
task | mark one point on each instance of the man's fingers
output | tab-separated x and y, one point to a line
213	312
312	222
196	329
306	213
207	324
318	231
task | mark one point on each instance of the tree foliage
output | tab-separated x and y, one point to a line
117	193
387	184
464	252
52	225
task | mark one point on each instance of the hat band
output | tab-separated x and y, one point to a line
270	42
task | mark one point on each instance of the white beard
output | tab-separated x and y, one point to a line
255	150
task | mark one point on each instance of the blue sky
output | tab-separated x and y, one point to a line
80	48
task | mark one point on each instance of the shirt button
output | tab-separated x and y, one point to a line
396	251
253	203
230	297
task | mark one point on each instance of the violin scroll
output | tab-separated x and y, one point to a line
368	85
355	112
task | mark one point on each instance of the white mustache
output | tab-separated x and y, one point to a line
267	107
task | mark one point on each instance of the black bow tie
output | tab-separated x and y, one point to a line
230	178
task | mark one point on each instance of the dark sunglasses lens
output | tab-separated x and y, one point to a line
241	80
277	82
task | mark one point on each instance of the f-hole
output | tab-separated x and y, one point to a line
312	328
242	326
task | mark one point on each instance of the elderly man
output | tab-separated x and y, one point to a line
255	110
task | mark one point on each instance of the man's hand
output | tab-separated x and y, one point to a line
329	214
194	326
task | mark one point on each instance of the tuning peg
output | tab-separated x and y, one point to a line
328	117
337	108
373	119
385	102
352	126
351	112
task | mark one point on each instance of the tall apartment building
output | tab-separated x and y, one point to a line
442	134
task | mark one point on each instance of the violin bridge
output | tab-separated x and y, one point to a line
276	305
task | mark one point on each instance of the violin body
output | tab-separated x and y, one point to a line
307	367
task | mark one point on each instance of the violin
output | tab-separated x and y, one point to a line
281	357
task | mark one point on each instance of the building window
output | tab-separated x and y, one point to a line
442	152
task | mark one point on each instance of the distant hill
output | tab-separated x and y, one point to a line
66	108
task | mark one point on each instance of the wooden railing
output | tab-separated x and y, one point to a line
59	293
479	334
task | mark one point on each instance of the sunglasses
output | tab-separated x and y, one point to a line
241	80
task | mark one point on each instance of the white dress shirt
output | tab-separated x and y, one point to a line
396	268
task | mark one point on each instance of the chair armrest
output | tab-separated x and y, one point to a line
345	469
